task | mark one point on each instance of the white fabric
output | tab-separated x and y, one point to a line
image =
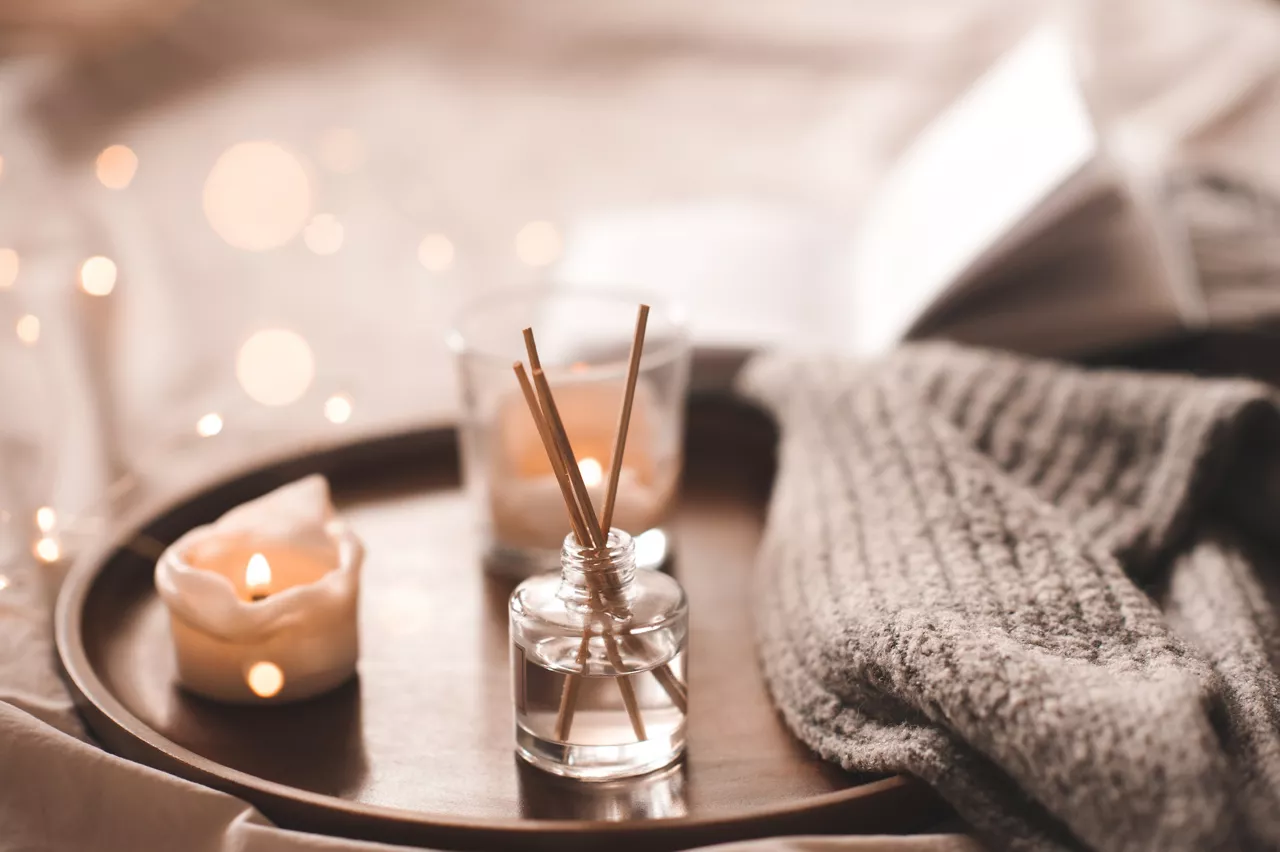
475	117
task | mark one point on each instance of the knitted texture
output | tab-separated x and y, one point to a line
1050	593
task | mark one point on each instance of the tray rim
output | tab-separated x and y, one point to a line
127	733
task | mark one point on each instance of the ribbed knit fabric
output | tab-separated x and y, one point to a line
1052	594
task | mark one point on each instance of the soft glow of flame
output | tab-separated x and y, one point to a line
275	366
8	268
592	472
4	582
341	150
257	574
435	252
257	196
28	329
116	166
46	518
209	425
47	550
337	408
323	234
98	276
538	244
265	679
1	166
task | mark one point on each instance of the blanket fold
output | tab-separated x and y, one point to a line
1049	592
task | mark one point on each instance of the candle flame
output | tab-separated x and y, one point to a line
592	472
265	679
257	574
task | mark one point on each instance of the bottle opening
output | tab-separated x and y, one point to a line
603	583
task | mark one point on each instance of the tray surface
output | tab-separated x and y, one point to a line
419	748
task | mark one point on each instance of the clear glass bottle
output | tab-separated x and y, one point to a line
599	666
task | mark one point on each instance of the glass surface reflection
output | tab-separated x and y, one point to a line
658	795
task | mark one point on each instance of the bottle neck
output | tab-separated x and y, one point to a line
599	582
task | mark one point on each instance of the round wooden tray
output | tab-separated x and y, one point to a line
419	749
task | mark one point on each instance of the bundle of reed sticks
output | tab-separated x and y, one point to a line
590	532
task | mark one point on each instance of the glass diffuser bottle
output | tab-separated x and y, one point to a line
598	658
597	651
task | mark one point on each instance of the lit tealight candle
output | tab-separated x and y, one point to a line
262	603
525	504
257	577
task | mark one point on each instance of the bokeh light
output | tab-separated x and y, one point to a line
342	150
592	472
265	679
538	244
8	268
257	196
1	166
435	252
651	547
275	366
4	582
98	276
323	234
46	518
337	408
28	329
116	166
47	550
209	425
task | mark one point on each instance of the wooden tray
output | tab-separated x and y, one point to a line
419	749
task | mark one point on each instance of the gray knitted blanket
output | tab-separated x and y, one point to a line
1052	594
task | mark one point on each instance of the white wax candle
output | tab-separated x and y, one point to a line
526	508
262	602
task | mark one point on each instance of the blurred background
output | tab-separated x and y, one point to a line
228	227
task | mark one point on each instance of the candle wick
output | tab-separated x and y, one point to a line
257	596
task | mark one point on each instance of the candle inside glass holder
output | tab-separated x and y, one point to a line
585	336
525	507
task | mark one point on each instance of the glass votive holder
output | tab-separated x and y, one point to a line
584	340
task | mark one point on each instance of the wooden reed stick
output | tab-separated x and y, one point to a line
666	678
548	444
624	419
569	693
599	541
547	402
672	686
572	682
